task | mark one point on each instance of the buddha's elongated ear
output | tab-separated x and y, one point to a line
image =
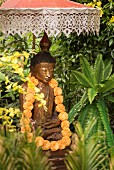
32	70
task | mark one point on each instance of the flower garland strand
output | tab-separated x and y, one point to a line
63	116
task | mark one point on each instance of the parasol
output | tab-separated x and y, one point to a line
51	16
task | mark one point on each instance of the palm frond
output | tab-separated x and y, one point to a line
82	79
109	85
91	94
86	152
87	70
104	117
98	69
74	112
107	70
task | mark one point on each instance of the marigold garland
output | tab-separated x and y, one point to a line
63	116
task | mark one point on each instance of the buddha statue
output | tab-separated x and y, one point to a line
42	68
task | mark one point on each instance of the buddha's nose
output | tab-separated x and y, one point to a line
48	74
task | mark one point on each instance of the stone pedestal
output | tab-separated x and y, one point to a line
57	159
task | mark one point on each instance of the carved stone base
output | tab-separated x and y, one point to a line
57	158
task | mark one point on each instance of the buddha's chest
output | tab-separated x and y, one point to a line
39	113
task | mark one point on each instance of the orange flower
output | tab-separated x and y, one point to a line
58	99
27	113
60	108
25	128
63	116
28	105
57	91
30	97
66	140
39	141
30	137
55	145
46	145
65	124
53	83
31	90
62	144
24	121
34	80
66	132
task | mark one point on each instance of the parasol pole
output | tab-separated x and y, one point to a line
34	42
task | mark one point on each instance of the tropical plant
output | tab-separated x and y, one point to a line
17	154
87	152
111	158
98	84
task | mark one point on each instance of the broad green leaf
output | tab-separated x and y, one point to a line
109	85
2	77
99	69
111	42
83	98
82	79
110	98
87	70
105	120
91	94
74	112
107	70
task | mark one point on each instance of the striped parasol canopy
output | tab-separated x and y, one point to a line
52	16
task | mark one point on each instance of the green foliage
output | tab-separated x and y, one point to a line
97	94
17	154
86	150
111	158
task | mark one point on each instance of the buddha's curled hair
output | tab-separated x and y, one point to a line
42	57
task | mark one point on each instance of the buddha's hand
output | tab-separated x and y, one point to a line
51	123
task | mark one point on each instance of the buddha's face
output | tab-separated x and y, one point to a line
43	71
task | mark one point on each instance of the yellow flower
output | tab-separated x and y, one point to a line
6	80
9	86
1	64
26	54
90	4
15	66
14	61
19	71
17	54
112	19
4	59
15	86
37	90
99	3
